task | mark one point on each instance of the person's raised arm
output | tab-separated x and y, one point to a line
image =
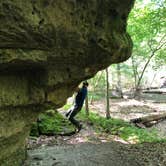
77	89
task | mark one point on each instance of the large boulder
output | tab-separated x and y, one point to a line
47	48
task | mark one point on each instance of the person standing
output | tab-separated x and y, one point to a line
79	101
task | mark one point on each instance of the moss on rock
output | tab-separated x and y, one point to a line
52	123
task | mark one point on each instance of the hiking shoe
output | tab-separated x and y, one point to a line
67	114
79	127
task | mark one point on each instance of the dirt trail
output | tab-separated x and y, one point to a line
103	154
128	109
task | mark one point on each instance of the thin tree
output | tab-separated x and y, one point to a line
119	82
95	81
161	43
107	95
87	106
135	71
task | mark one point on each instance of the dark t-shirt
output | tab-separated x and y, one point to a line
81	95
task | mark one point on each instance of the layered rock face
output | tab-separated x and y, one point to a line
47	47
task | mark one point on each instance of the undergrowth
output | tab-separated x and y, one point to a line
124	130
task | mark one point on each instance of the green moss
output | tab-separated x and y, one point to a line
123	129
51	123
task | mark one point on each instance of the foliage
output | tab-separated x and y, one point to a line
51	123
97	95
123	129
147	27
98	81
126	75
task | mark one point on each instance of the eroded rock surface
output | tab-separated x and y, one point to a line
46	49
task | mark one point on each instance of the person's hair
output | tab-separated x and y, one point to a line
85	83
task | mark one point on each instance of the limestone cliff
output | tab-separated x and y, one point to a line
47	47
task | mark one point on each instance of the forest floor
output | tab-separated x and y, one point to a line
91	148
128	109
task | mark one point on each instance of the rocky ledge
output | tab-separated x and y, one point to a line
46	49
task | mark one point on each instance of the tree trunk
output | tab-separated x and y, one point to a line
86	106
134	67
137	91
148	121
153	52
95	85
107	95
153	80
119	82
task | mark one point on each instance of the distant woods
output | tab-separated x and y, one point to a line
147	65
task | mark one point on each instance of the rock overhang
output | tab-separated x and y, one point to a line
72	38
47	48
